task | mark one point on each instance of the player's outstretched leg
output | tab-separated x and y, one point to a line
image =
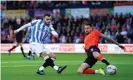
46	64
33	56
84	69
101	58
22	50
40	70
9	51
28	57
58	69
91	71
49	62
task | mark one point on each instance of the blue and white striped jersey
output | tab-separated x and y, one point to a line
39	31
28	31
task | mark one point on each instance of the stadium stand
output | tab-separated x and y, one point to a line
117	26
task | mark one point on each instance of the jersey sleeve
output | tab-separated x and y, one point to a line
23	27
33	22
97	32
52	31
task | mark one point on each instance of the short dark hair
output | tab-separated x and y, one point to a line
47	15
86	22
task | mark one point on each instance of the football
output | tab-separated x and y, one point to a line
111	69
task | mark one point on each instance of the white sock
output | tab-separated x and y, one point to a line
96	71
56	67
53	59
46	57
41	68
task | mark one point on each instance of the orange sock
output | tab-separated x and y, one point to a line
89	71
100	58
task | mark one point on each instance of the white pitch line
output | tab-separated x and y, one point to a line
6	62
20	66
63	64
16	62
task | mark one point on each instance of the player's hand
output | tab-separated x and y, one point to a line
122	47
55	36
15	32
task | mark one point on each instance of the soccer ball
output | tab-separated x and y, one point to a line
111	69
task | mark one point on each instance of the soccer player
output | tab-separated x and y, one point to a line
39	31
18	37
27	36
93	53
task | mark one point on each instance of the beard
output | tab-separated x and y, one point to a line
86	33
47	23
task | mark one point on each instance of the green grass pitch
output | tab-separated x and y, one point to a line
15	67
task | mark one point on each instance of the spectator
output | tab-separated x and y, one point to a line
62	38
119	27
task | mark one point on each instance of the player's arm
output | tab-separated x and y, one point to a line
111	39
22	27
54	33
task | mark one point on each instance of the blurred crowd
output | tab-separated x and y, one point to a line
70	30
39	4
119	27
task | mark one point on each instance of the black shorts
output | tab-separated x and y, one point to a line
90	58
19	38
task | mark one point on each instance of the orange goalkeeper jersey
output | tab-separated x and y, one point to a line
92	39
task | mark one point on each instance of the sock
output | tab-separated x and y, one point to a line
106	62
102	59
45	65
89	71
46	57
22	51
56	68
53	59
96	71
49	61
29	53
12	48
41	68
